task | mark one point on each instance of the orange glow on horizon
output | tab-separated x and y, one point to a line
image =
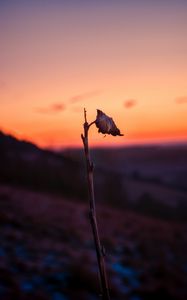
63	139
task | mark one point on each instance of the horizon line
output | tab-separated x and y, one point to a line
128	144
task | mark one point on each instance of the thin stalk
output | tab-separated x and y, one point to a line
92	213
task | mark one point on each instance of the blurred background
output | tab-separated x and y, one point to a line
127	58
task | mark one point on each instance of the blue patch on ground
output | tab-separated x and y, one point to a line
26	286
128	273
58	296
21	252
38	280
2	252
135	298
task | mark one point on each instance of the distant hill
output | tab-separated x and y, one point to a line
165	165
8	141
147	179
23	163
151	179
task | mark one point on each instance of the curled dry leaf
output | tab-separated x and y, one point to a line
106	124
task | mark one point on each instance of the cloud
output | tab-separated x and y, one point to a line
181	100
81	97
53	108
130	103
57	107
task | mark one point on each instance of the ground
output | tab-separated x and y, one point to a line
47	252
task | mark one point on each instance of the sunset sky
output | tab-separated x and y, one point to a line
127	58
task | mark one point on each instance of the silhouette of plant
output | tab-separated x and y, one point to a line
105	125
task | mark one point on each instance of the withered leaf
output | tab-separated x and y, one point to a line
106	124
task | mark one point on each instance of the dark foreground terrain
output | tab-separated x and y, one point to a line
46	251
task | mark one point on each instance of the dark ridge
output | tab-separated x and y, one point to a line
24	164
8	141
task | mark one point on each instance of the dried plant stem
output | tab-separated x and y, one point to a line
99	249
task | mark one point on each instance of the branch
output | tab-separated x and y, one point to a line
92	214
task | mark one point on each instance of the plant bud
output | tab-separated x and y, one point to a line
106	124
